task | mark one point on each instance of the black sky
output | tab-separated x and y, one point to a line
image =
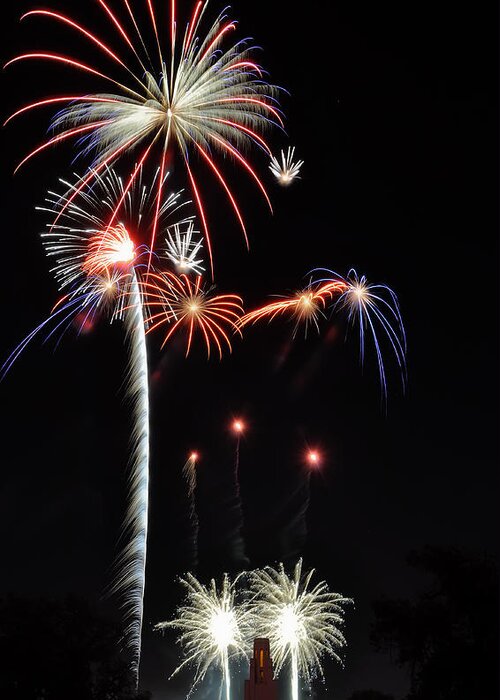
392	106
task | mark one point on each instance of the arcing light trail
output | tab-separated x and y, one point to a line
201	98
213	626
302	624
190	477
374	308
182	305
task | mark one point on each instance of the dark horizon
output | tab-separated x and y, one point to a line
393	110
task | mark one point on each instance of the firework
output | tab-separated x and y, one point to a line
186	306
302	624
183	251
97	265
304	307
213	628
201	98
286	171
374	309
189	474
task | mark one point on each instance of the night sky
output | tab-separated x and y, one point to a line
392	107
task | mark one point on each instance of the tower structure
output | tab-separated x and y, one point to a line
261	684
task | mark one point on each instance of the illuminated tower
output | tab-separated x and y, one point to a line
261	684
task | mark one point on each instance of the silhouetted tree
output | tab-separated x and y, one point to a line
60	650
448	636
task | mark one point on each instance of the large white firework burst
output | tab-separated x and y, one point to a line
287	170
201	98
213	625
302	624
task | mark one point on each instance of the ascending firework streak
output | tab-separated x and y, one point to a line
302	625
189	474
213	626
201	98
98	265
374	307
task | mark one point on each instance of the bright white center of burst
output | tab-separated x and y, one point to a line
289	626
124	252
169	113
359	292
222	629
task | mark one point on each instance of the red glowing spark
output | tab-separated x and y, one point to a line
238	426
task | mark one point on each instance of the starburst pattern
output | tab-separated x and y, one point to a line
213	627
183	251
374	310
303	623
201	98
286	171
186	306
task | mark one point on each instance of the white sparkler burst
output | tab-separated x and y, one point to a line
213	627
183	251
286	171
302	625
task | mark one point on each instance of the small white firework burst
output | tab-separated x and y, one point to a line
183	251
287	171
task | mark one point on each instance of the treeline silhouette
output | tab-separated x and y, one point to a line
61	650
447	636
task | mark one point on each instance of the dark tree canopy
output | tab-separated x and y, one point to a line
447	637
56	650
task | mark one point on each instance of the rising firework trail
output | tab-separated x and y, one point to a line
190	477
286	170
98	265
214	628
202	98
302	624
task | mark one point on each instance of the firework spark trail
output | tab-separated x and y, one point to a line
374	308
186	306
302	624
97	265
130	581
190	476
304	307
203	98
183	251
213	627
